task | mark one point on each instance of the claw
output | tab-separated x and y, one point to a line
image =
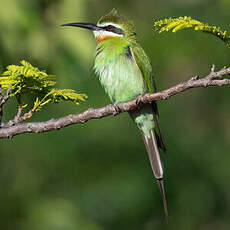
138	101
116	108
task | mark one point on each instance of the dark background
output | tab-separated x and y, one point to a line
97	176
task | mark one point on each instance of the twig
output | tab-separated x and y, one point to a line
0	105
3	101
213	79
18	118
6	97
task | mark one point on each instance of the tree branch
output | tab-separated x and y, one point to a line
213	79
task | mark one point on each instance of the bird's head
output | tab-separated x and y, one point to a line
109	26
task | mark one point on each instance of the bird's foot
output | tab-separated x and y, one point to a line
117	109
138	101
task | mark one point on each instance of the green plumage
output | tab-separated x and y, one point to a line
118	71
121	67
125	72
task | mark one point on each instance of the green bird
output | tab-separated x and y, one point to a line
125	72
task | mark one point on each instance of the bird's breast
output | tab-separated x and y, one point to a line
119	75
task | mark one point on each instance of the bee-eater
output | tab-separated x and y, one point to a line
125	72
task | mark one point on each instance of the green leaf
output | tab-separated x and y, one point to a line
25	78
176	24
59	95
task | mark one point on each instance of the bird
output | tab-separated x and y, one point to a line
126	73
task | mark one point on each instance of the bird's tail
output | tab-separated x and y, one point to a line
155	161
144	118
154	155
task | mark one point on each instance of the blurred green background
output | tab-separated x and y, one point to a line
97	175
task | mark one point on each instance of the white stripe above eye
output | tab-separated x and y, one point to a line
109	23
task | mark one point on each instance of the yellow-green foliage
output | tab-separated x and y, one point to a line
176	24
26	78
58	95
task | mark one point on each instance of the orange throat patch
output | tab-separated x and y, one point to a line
100	38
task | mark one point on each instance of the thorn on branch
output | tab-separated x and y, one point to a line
195	78
213	68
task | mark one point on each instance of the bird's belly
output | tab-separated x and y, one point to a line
121	79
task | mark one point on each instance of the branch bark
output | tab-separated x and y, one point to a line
212	79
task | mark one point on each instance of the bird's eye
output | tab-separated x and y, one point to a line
110	27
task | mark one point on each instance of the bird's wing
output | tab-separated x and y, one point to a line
145	67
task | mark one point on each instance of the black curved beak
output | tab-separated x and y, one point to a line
89	26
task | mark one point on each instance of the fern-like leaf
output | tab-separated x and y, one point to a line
59	95
176	24
25	78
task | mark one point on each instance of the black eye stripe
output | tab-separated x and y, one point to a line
113	29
